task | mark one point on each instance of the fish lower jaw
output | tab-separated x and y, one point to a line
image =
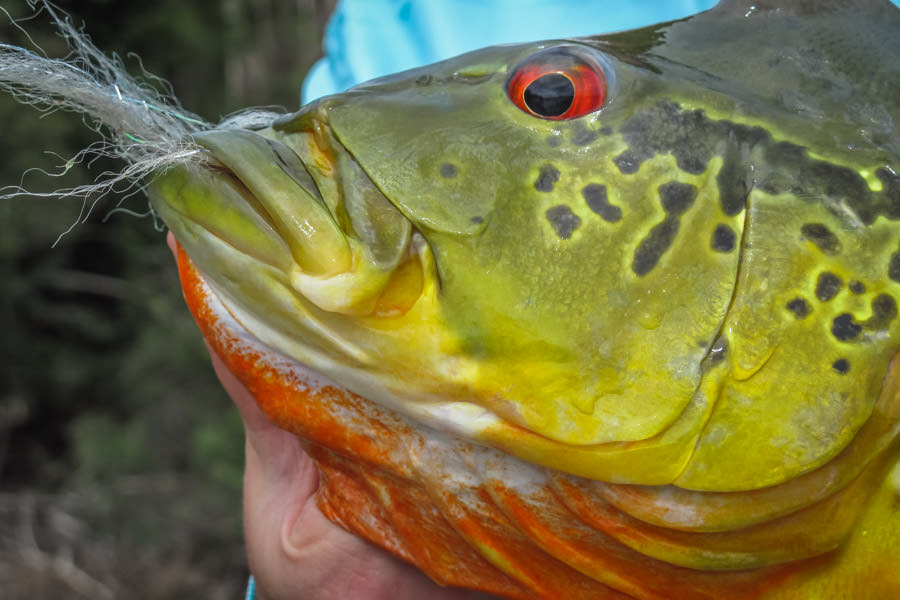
348	293
365	289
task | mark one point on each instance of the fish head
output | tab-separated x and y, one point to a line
629	257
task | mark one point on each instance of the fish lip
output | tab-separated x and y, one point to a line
306	155
283	156
215	161
300	202
355	198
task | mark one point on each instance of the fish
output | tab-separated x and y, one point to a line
605	317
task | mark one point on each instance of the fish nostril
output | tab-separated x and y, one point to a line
311	117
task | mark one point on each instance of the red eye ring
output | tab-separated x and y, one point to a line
558	84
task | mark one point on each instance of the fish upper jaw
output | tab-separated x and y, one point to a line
330	230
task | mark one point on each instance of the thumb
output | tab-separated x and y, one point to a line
272	452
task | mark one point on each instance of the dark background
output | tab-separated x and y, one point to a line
120	457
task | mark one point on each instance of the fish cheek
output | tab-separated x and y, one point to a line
439	165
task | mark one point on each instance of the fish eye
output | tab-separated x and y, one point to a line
558	84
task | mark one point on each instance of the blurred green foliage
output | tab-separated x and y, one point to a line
120	457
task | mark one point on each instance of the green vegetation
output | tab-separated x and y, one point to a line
120	456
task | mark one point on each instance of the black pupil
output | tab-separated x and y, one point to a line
549	95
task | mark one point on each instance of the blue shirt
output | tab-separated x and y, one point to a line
370	38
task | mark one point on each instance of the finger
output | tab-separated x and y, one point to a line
273	452
170	242
254	420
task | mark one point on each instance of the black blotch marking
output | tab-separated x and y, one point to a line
718	352
690	163
894	267
652	247
841	366
781	151
844	328
477	220
563	220
605	130
890	189
581	135
799	307
628	163
827	286
857	287
822	237
723	239
884	310
788	168
554	141
688	135
547	176
732	183
598	201
449	170
677	197
780	167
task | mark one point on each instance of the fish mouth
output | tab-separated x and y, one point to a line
299	203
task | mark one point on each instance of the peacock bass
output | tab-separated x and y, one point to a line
610	317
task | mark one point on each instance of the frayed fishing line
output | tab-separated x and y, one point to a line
147	129
127	211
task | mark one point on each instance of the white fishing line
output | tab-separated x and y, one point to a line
149	130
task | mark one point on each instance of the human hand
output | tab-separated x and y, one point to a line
293	550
